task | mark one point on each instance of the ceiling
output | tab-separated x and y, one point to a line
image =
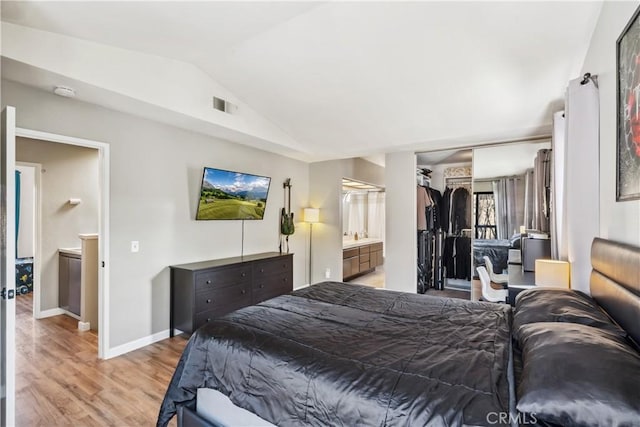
348	79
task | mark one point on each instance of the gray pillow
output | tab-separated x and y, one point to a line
578	375
560	305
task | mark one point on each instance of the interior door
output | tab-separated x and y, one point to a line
7	267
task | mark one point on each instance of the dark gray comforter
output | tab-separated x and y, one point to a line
339	354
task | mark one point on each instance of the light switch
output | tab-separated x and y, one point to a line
135	246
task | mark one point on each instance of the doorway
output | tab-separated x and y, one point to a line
71	208
363	233
27	228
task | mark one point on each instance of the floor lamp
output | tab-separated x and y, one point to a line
311	215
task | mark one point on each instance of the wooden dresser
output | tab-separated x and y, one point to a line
201	291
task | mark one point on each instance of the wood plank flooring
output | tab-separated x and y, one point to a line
377	277
61	382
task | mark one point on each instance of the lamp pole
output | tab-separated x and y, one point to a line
310	245
311	215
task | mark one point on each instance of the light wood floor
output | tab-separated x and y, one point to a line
376	280
61	382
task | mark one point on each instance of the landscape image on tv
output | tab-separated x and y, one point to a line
232	195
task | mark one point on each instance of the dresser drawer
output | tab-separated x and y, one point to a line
271	267
364	257
212	279
228	307
219	298
376	246
350	253
364	250
272	286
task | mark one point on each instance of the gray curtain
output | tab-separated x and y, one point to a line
509	196
528	199
542	190
537	197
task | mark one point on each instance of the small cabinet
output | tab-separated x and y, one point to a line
375	256
361	259
69	282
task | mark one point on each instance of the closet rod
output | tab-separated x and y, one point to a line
471	146
458	180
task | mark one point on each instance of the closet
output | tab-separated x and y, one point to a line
444	223
457	245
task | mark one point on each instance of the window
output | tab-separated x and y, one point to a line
485	211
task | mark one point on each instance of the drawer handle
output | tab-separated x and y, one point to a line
208	319
285	280
261	285
208	282
208	300
262	270
243	292
243	274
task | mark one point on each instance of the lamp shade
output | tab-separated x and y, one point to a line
553	273
311	215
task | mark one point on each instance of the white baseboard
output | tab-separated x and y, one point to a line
136	344
51	312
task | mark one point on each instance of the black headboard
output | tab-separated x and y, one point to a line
615	282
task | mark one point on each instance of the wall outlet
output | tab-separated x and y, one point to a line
327	273
135	246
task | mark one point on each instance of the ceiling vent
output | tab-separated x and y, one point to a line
224	105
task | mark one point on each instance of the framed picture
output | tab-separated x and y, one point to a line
628	122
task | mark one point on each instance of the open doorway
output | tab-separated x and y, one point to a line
57	220
363	224
70	229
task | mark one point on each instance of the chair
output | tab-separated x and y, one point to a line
495	278
488	293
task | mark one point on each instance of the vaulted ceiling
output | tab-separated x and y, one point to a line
324	79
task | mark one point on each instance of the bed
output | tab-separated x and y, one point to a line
496	249
336	351
338	354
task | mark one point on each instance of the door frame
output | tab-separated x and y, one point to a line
103	224
8	312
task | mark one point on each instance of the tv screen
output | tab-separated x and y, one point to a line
232	195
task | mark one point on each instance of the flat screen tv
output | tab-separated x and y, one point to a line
232	195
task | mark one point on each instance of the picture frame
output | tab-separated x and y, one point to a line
628	111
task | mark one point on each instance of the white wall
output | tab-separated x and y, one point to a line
401	235
26	226
619	221
325	193
155	176
68	172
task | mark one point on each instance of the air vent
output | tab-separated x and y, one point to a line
223	105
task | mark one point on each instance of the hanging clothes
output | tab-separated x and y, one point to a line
436	198
460	209
444	209
457	257
423	201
